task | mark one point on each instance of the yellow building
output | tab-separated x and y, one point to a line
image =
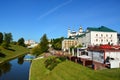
68	42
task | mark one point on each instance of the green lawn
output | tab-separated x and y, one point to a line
68	70
14	51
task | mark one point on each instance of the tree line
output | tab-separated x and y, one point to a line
43	46
6	39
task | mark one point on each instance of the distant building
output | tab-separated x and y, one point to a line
29	42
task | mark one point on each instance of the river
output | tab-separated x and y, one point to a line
16	69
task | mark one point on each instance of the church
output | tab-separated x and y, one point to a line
73	33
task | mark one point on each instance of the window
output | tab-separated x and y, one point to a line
96	40
101	35
101	40
111	35
96	34
106	35
111	40
107	40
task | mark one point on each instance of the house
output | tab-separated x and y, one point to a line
106	55
99	56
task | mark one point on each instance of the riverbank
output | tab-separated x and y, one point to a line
68	70
11	53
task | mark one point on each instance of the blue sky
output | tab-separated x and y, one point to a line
31	19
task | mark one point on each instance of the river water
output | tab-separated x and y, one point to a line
17	69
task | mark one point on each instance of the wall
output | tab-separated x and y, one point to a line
103	37
96	56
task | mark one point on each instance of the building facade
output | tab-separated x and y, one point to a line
92	36
29	42
101	35
73	33
67	43
118	35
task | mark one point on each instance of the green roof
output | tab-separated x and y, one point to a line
101	29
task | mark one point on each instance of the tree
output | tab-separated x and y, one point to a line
44	44
1	37
36	50
21	42
57	43
7	40
42	47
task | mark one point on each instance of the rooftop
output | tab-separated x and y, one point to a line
101	29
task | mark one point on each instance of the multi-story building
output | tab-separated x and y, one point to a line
68	42
92	36
101	35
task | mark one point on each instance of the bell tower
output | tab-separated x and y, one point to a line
80	29
69	32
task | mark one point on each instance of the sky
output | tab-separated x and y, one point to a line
31	19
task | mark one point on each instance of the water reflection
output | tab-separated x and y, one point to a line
4	68
21	60
16	69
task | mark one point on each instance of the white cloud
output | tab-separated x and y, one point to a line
54	9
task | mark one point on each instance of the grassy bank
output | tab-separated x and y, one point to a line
68	70
13	52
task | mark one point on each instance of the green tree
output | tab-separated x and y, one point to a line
44	43
1	37
36	50
21	42
7	40
42	47
57	43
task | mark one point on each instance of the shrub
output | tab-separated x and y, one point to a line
51	63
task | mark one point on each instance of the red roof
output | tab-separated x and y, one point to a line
105	47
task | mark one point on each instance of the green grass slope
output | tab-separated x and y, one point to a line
68	70
12	52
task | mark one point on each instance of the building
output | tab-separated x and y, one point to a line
92	36
29	42
118	35
99	56
68	42
100	35
105	54
73	33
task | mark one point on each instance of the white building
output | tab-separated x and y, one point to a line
106	54
73	33
92	36
29	42
97	36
